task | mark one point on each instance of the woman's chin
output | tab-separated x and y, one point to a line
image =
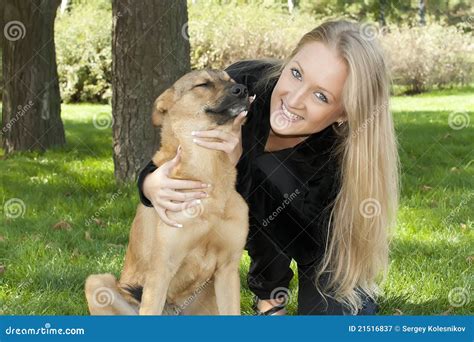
284	131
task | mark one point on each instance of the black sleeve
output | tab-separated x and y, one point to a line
244	177
245	72
149	168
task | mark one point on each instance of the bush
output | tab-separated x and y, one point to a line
432	56
221	35
83	49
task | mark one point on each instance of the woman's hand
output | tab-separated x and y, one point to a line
164	192
230	143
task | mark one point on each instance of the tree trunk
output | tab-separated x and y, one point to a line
382	21
150	50
31	114
422	12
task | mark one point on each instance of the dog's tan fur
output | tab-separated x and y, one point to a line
194	269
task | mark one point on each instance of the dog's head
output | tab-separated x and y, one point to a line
205	95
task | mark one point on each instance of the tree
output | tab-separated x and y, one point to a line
31	113
150	50
421	12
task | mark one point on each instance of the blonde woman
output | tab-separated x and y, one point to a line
317	163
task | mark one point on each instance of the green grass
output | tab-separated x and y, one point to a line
45	268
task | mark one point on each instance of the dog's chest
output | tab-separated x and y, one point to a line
196	270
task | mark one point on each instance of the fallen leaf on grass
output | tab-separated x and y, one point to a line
99	222
447	312
62	225
398	312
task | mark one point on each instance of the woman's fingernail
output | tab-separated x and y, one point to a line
197	202
193	133
245	112
195	140
178	225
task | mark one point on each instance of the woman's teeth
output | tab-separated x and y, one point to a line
290	116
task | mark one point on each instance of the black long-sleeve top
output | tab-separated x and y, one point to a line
289	192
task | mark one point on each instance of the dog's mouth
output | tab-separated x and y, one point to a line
229	109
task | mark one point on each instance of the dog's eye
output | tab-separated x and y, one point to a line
206	84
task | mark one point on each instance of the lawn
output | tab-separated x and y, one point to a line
63	217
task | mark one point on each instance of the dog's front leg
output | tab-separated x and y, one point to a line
155	291
227	285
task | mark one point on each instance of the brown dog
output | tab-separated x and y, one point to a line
194	269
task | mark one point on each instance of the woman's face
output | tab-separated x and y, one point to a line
307	96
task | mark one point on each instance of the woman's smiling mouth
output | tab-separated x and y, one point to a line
288	115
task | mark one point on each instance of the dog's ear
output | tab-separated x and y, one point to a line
161	106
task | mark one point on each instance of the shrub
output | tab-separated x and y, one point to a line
423	58
83	49
221	35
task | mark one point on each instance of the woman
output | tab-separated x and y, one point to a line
318	166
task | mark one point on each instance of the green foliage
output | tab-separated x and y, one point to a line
395	11
83	47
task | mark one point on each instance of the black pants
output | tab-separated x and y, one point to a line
270	275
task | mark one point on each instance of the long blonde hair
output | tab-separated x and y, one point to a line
364	210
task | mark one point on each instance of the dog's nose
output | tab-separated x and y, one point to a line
239	90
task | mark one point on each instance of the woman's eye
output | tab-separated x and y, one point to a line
296	73
321	97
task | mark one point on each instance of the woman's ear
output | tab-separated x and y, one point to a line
161	106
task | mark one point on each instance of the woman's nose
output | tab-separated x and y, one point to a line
295	98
